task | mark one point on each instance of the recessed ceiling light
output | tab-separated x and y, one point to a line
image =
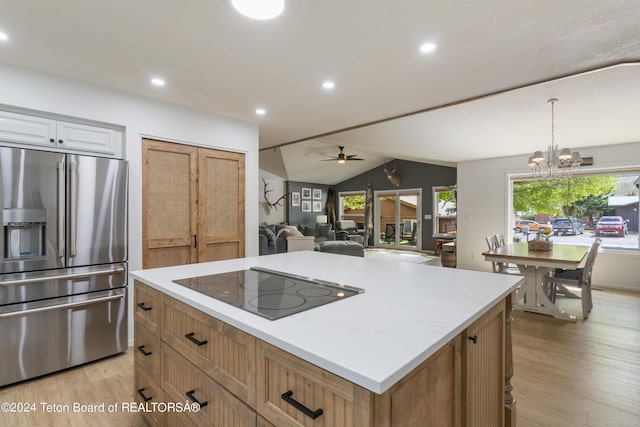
427	47
328	85
261	111
259	9
3	36
157	81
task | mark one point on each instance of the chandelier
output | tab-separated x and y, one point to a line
559	163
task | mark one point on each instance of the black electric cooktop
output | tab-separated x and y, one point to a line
268	293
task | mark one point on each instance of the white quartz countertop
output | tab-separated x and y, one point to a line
407	312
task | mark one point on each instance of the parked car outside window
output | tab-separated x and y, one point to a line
567	226
533	226
611	225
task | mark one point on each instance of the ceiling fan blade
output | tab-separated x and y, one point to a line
350	159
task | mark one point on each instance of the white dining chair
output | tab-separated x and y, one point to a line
492	244
504	267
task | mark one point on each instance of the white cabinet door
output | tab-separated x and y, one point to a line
20	128
74	136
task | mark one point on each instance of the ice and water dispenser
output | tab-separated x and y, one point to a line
24	233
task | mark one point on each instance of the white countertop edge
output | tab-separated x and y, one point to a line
376	386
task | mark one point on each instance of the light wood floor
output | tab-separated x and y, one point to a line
566	374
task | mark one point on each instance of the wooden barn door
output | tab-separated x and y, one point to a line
169	195
193	204
221	215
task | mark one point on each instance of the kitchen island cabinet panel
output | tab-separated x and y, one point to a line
220	350
147	351
182	380
484	370
281	373
147	307
430	395
148	392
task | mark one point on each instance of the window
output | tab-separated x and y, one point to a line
445	211
580	208
352	206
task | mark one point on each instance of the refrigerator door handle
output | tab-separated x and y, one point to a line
73	167
61	208
78	275
74	304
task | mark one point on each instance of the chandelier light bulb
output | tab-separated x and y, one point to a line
565	154
537	157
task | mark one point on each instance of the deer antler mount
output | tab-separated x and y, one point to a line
393	177
267	202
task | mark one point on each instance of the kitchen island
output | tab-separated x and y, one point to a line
421	346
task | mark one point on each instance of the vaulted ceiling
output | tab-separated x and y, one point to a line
481	93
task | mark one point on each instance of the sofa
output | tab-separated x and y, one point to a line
320	232
273	237
268	242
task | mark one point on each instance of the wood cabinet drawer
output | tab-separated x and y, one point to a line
147	391
147	307
147	351
220	350
317	390
261	422
182	380
178	419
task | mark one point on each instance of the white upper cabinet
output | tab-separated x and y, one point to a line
27	129
92	139
60	135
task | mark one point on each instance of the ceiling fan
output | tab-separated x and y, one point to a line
343	157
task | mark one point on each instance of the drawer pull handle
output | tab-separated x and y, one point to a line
143	351
300	407
194	340
474	339
144	307
194	400
145	398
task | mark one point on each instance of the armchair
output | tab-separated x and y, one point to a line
348	230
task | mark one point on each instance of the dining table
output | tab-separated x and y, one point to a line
534	265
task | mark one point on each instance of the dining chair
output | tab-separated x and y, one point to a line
580	278
492	244
505	267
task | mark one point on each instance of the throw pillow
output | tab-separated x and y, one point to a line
291	230
323	230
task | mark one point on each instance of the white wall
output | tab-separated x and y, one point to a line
482	211
140	117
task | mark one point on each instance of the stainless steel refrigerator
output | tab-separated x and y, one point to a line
63	267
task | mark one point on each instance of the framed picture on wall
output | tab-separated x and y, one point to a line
306	193
317	206
317	194
306	205
295	198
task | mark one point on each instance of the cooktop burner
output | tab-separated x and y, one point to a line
268	293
